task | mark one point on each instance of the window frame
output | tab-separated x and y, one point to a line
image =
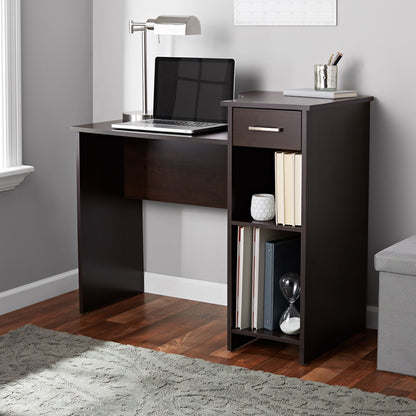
12	170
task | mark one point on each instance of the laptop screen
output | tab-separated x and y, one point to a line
192	88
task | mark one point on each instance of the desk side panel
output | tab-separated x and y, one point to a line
110	238
334	226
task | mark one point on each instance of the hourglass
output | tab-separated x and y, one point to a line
290	319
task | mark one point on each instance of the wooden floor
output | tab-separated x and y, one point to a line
198	330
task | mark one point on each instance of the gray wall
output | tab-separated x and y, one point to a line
376	37
38	218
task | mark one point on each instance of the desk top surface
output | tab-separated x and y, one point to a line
104	128
276	100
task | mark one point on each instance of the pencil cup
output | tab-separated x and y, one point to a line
326	77
262	207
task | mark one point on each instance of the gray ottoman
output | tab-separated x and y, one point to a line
396	349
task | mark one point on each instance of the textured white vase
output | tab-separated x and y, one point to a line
262	207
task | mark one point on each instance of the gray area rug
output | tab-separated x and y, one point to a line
44	372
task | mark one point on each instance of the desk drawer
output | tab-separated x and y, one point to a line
275	129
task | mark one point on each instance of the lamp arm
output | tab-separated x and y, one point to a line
144	73
136	26
141	27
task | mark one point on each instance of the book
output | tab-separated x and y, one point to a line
298	189
243	278
312	93
281	256
289	188
260	236
279	189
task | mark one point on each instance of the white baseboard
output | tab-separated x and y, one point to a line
35	292
210	292
372	317
159	284
179	287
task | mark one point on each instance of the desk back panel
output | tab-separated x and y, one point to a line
184	173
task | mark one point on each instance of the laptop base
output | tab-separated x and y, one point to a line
139	125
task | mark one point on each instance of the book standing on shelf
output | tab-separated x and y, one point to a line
281	256
289	191
260	237
244	271
288	188
280	188
298	189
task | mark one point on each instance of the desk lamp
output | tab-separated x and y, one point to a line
162	25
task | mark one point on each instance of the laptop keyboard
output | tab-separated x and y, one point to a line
179	123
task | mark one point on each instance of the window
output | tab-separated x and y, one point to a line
12	171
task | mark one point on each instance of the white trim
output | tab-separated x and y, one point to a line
35	292
11	177
372	317
159	284
10	95
179	287
10	60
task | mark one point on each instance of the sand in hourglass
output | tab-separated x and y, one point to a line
291	326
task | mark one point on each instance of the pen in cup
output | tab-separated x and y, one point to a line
337	58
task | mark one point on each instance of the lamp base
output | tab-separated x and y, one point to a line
136	116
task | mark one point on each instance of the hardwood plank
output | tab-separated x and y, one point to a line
395	392
354	374
294	369
159	306
412	395
406	383
189	340
224	353
329	369
377	381
337	368
167	328
271	365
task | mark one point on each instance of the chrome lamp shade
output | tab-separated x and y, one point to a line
162	25
177	25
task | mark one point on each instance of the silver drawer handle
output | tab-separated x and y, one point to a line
270	129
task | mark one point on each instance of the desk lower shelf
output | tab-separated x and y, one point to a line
276	335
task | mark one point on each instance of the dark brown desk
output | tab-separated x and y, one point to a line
117	170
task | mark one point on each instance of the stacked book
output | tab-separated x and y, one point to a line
312	93
288	182
263	256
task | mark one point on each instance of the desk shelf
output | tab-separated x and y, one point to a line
270	225
333	138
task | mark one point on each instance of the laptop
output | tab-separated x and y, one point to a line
187	96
